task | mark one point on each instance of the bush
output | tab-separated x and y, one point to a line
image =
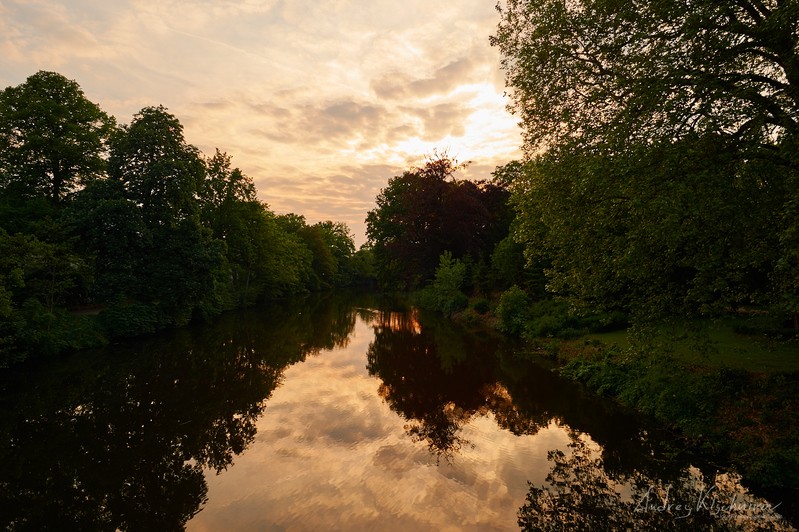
123	321
481	306
554	319
444	294
38	332
513	311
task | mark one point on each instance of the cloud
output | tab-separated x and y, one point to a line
395	85
300	93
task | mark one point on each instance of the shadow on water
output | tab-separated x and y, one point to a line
119	438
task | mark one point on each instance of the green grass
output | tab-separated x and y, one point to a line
720	347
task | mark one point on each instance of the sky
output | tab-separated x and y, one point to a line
320	102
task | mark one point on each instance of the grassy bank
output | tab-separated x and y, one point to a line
730	394
730	386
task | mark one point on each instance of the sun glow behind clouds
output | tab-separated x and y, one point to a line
320	102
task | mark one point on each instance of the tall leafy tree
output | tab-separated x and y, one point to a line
338	240
427	211
160	171
223	183
112	230
669	128
591	71
182	266
52	138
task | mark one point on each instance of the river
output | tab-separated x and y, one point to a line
339	412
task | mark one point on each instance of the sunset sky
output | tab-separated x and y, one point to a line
320	102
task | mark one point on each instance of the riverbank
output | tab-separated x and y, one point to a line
746	416
731	396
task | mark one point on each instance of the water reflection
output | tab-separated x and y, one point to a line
619	478
120	438
132	437
437	380
582	495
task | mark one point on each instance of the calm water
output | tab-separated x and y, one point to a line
338	413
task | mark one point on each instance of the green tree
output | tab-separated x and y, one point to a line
182	267
662	137
426	211
444	293
52	138
338	239
598	71
223	183
111	229
330	246
161	173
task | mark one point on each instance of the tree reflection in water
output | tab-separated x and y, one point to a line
582	495
119	439
438	378
431	378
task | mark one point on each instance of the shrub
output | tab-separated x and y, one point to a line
444	294
122	321
481	305
513	311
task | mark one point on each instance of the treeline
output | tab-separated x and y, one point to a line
661	177
444	238
109	231
561	246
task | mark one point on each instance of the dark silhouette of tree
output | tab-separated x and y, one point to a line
160	172
425	212
52	138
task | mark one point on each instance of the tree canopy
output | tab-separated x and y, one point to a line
52	138
134	224
427	211
661	173
602	71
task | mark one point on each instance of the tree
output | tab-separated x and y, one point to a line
159	170
593	71
338	240
112	230
661	137
444	293
330	247
425	212
182	266
52	138
223	183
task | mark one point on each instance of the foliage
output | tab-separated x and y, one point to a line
661	145
331	250
109	232
427	211
730	412
52	138
444	293
628	232
595	71
481	305
513	311
161	173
